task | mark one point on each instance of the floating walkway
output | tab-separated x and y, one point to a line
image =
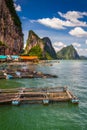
18	96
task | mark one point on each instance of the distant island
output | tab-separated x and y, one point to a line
69	53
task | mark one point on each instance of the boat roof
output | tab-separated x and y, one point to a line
3	56
14	56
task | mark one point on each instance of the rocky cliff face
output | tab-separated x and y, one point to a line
49	48
10	28
32	41
39	47
68	52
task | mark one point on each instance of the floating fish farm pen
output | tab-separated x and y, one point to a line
20	73
36	95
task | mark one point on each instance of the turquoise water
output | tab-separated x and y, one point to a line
58	116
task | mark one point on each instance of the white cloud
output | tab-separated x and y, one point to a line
24	18
76	44
82	51
86	42
58	46
73	16
78	32
17	7
53	23
71	20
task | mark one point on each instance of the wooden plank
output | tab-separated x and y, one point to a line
69	95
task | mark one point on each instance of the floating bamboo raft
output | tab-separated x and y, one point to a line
20	73
36	95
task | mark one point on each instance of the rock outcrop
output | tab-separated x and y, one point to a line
39	47
10	28
68	52
49	48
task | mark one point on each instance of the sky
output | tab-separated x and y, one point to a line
63	21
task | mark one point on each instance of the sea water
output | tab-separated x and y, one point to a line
57	116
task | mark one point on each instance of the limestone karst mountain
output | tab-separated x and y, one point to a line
68	52
11	36
39	47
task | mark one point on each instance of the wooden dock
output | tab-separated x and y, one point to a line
36	95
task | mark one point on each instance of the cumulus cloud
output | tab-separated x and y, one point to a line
78	32
71	19
53	23
58	46
76	44
17	7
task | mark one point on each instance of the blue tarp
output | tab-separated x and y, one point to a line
14	57
3	57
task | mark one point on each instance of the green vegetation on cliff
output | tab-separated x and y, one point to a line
39	47
3	44
48	56
10	5
36	51
68	52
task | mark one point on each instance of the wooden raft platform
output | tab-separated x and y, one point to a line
36	95
20	73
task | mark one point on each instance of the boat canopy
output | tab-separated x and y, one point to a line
14	56
3	57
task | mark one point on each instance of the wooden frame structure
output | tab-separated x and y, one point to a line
36	95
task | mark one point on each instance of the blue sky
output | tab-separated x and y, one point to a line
63	21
